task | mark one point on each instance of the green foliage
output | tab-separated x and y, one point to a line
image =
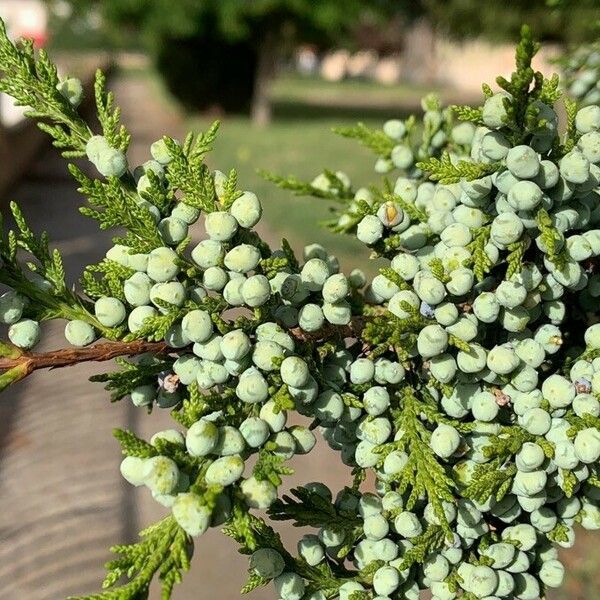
422	475
429	542
164	550
232	43
559	533
394	277
307	508
155	328
467	113
515	258
270	466
570	133
570	21
521	79
114	206
373	139
385	331
436	266
551	237
132	374
410	209
490	480
482	263
32	82
302	188
188	172
111	282
445	171
109	115
50	265
252	532
235	21
132	445
43	278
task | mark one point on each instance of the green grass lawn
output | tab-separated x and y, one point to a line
311	97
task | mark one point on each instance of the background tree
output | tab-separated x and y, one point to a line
223	53
565	21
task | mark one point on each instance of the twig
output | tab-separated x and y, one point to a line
66	357
352	330
19	365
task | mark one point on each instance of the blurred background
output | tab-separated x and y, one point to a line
279	74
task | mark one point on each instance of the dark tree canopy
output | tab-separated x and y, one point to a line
319	22
569	21
229	47
223	53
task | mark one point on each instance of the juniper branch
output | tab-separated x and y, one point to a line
28	362
17	364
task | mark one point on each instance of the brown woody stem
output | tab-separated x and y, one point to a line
26	363
352	330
